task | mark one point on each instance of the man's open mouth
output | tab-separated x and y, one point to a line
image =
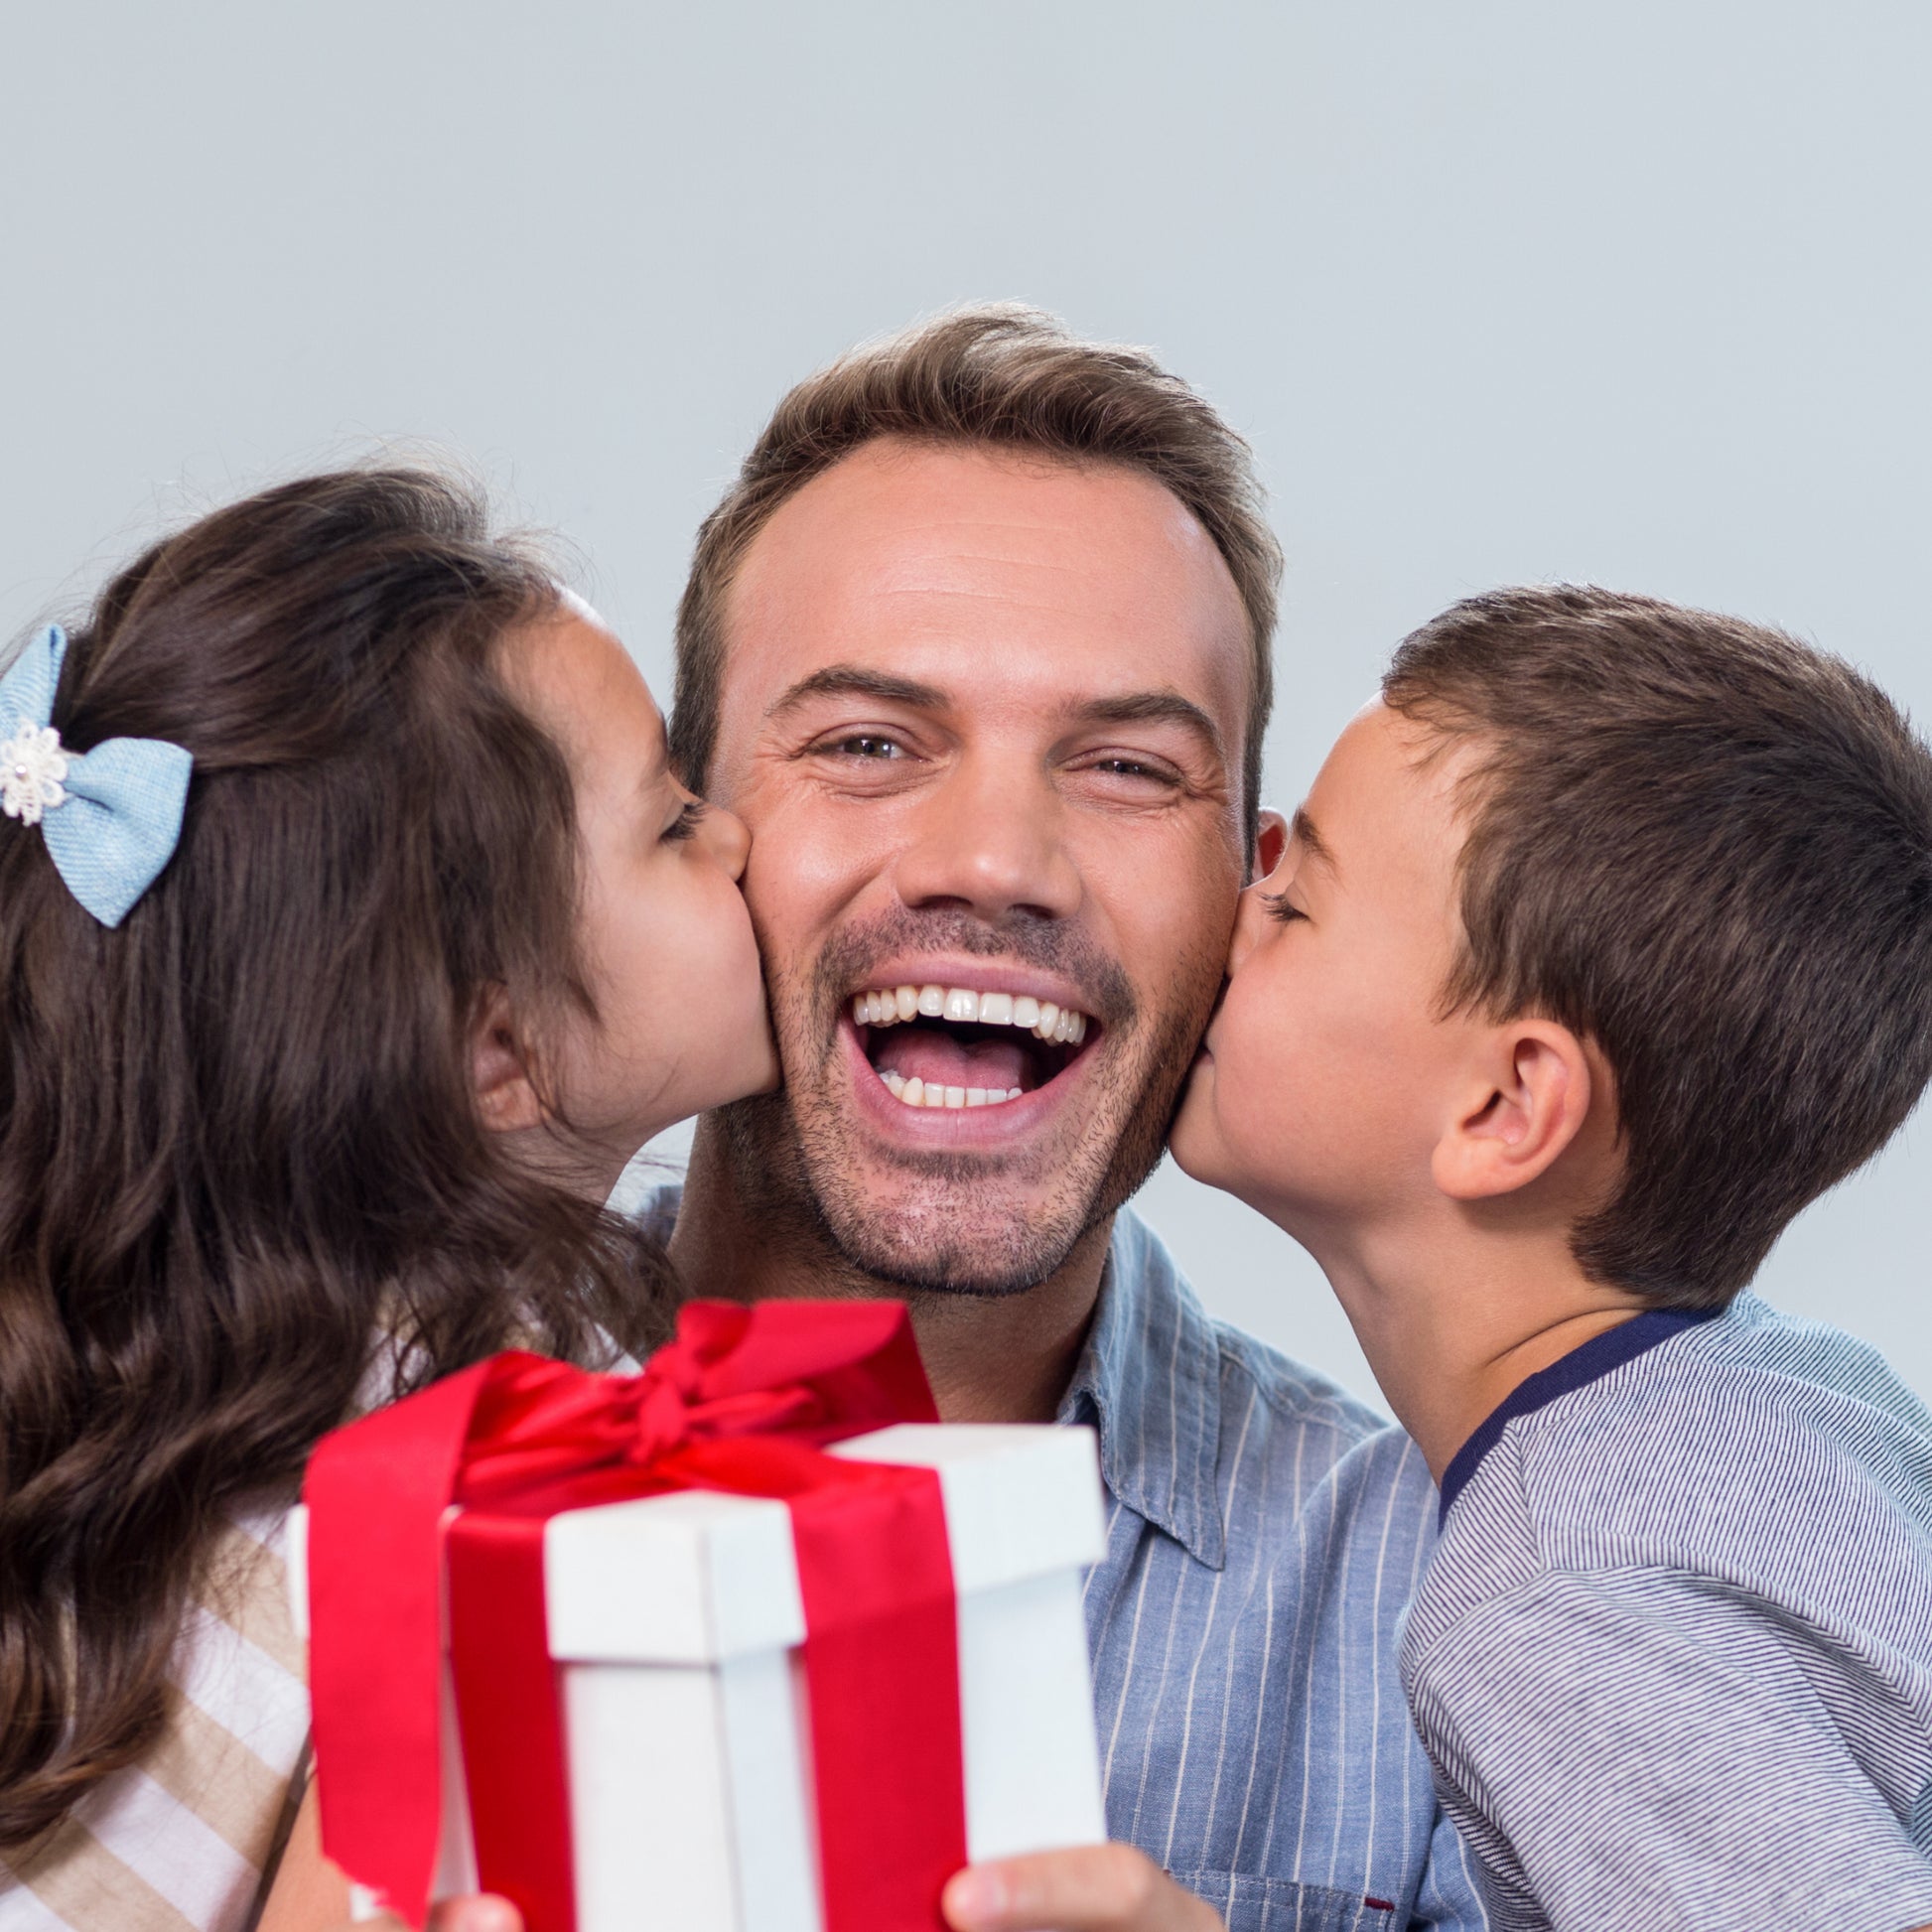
954	1047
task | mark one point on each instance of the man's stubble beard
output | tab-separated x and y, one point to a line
955	1227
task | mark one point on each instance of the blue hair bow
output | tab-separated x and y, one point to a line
111	818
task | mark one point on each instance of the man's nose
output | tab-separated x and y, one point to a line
990	840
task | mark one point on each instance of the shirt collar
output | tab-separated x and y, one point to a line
1589	1362
1150	1380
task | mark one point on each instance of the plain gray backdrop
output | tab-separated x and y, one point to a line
1639	293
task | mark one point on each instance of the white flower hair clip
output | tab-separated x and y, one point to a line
32	767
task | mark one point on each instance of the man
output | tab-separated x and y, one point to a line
978	645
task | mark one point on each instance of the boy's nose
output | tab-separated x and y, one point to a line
1249	915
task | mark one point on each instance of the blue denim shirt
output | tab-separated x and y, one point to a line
1265	1534
1265	1531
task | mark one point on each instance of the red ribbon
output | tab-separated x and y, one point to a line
743	1400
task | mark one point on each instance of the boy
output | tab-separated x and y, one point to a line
1601	946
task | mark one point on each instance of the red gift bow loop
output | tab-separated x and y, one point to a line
742	1400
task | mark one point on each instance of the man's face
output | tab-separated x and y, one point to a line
983	716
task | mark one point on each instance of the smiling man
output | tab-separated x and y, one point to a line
978	645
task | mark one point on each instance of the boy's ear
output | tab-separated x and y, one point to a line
499	1076
1271	841
1527	1105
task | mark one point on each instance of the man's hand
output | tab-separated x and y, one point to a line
1094	1888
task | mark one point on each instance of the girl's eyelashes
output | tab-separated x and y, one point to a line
689	817
1280	908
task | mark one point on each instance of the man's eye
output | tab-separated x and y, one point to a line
1139	771
864	745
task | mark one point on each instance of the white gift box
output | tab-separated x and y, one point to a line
676	1623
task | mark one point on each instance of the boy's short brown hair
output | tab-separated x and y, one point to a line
1708	849
994	376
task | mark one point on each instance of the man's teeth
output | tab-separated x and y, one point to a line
890	1005
915	1093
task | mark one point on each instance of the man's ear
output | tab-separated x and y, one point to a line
1527	1103
1271	841
498	1071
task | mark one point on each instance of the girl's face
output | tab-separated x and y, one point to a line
664	938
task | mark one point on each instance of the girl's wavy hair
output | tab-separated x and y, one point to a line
241	1166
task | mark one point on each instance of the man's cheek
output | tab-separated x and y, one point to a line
1175	895
1189	936
805	874
787	914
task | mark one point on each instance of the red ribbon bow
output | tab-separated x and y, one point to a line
743	1400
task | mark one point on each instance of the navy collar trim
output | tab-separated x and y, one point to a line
1583	1365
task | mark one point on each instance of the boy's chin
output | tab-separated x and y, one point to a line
1201	1151
1194	1142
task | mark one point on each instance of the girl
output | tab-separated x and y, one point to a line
353	933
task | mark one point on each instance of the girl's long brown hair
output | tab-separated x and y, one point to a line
241	1166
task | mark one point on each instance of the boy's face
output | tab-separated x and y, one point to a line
1328	1078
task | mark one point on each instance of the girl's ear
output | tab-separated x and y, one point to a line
506	1101
1526	1105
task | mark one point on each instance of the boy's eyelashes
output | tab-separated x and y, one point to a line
1280	907
690	816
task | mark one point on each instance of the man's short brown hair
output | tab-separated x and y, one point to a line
1708	849
1007	377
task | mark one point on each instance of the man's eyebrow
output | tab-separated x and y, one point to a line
1302	827
855	681
1153	707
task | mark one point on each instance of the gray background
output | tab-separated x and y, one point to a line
1636	293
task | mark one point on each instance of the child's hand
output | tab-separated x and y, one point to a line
452	1915
475	1915
1092	1888
311	1896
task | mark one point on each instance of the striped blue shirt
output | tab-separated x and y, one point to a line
1265	1534
1673	1654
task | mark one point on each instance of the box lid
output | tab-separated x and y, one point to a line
698	1577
